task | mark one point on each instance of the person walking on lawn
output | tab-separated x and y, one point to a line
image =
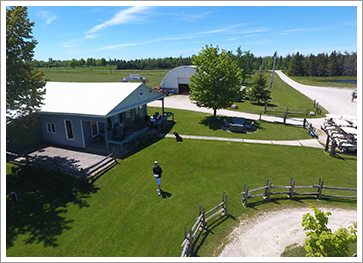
157	174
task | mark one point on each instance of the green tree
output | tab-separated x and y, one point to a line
321	242
259	91
217	80
24	84
245	62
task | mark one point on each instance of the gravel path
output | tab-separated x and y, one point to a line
268	234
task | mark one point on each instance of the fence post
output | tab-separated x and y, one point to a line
320	189
287	109
260	116
292	187
246	196
307	111
265	108
304	124
268	190
317	192
226	206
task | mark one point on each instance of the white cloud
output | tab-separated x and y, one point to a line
122	17
313	29
50	19
45	15
250	31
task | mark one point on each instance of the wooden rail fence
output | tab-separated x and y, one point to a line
291	191
201	224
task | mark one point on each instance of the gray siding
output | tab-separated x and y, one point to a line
81	130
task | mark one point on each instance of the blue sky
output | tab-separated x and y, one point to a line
136	31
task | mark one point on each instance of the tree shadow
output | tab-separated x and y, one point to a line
263	104
214	122
43	196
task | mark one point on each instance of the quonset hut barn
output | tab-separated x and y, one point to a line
176	80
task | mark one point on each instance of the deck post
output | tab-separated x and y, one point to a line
162	103
106	136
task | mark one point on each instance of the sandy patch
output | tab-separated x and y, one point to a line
269	233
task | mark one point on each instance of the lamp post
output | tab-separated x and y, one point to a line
273	70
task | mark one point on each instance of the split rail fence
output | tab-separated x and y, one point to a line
291	191
201	224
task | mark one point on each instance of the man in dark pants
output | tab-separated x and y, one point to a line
157	174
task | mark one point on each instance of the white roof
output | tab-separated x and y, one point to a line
96	99
174	76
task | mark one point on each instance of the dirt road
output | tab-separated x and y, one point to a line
268	234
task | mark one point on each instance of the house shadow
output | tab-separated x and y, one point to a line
150	141
42	200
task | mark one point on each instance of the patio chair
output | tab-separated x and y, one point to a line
249	126
226	123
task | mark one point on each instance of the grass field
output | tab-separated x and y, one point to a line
102	74
283	96
120	214
320	81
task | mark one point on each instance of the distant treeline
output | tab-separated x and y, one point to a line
323	64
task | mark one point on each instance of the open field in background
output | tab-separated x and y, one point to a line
102	74
319	81
120	214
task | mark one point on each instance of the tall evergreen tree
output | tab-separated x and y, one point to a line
259	91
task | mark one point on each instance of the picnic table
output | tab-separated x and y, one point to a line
238	120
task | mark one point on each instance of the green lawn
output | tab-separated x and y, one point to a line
283	96
120	214
203	124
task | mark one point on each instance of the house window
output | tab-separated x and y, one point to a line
69	129
94	128
130	114
50	127
141	111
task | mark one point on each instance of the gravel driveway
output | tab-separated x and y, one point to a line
335	100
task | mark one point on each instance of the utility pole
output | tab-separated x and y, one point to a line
109	60
273	70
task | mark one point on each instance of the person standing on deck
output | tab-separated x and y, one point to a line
157	174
